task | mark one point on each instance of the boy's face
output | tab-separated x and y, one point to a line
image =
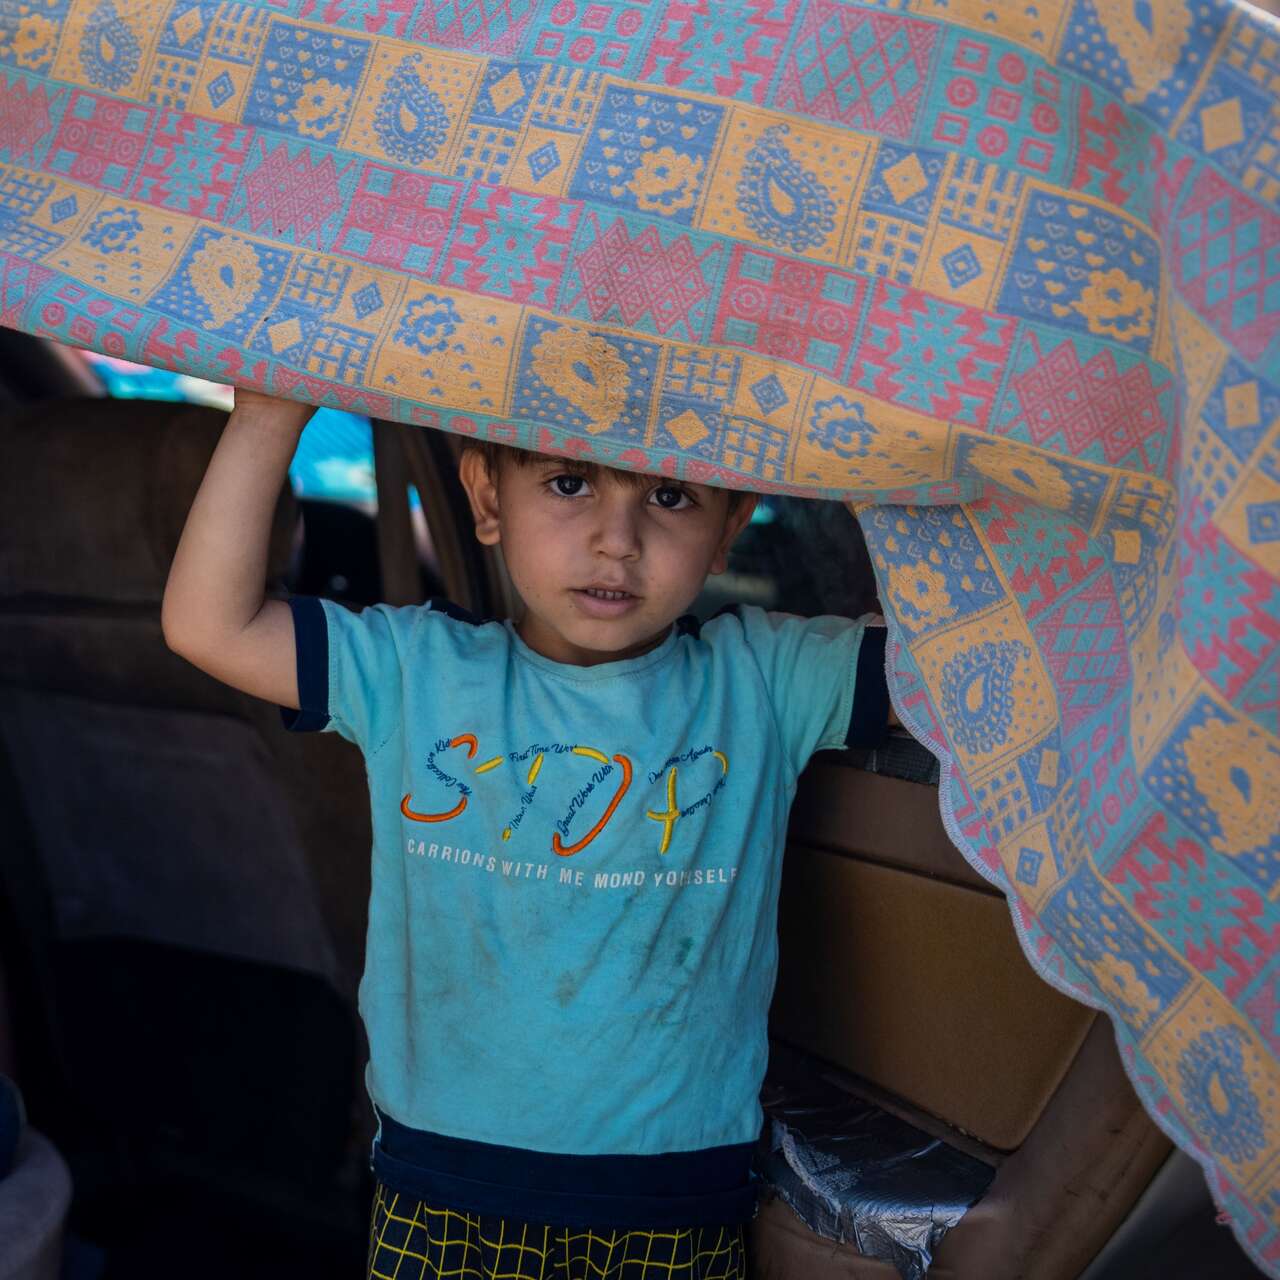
604	564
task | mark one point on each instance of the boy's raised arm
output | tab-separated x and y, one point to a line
214	612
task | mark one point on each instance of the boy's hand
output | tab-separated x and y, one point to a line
259	405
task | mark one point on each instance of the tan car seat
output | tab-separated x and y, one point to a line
899	965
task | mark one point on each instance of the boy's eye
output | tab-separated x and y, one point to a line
567	486
671	497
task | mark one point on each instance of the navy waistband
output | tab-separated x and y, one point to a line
674	1189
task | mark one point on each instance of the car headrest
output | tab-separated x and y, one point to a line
94	494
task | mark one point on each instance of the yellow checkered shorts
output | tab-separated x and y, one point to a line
409	1240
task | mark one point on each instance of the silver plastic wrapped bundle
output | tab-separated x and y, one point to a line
856	1174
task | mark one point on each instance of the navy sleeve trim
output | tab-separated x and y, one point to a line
438	604
311	641
869	723
675	1189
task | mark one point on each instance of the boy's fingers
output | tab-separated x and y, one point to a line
278	407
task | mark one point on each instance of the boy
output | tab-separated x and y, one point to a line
578	827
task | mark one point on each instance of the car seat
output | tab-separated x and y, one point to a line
900	967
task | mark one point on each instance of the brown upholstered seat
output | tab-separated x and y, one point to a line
166	824
93	497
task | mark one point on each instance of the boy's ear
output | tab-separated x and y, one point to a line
734	523
482	494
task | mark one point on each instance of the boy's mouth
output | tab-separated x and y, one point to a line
602	602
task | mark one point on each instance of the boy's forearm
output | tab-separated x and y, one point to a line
216	584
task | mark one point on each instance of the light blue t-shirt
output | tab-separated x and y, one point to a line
572	925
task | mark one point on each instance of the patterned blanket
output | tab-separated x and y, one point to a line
1006	276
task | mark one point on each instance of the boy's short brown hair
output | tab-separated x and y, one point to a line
495	453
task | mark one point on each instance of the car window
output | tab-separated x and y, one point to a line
796	556
802	556
334	459
332	476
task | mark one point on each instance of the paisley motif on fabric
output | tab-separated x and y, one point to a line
225	275
1148	51
1024	473
1239	782
1218	1098
587	371
109	51
977	694
782	202
410	121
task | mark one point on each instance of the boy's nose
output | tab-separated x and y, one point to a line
617	534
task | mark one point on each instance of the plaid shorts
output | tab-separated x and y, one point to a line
409	1240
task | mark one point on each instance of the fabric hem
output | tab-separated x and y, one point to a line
562	1208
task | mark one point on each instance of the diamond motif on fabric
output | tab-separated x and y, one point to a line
188	25
906	178
507	91
1241	403
61	210
24	118
630	278
367	300
1085	649
688	429
961	266
865	70
1222	124
1263	521
1029	863
1219	260
291	194
768	393
221	87
285	334
1104	407
545	160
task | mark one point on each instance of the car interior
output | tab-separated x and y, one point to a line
183	888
